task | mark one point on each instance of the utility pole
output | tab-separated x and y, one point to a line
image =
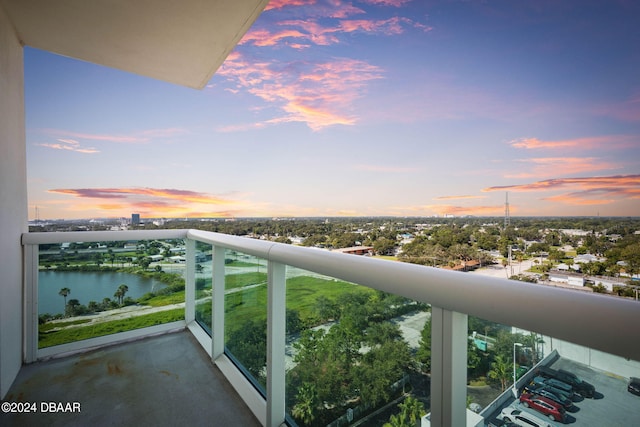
507	215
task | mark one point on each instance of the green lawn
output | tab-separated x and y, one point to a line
240	280
48	339
160	300
387	257
248	304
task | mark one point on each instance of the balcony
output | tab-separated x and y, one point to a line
217	304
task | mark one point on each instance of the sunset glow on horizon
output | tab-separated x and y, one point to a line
356	108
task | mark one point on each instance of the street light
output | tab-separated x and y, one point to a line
515	391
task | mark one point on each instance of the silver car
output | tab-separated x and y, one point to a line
523	418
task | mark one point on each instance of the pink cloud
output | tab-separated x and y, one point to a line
139	137
149	201
587	190
318	94
547	166
124	193
69	145
314	32
315	8
607	141
587	183
266	38
279	4
394	3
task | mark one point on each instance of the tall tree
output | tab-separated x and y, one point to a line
501	371
122	291
64	292
423	355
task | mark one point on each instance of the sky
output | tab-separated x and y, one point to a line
357	108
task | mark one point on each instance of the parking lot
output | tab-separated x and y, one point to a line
612	404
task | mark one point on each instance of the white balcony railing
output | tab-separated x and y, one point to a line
594	321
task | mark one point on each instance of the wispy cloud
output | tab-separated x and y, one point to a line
607	141
316	93
548	166
458	197
124	193
69	145
319	93
138	137
310	31
152	202
587	190
394	3
279	4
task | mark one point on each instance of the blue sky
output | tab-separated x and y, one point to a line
376	107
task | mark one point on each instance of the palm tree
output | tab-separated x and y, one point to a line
501	371
397	421
121	292
303	411
412	410
64	292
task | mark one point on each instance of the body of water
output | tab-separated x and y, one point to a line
87	286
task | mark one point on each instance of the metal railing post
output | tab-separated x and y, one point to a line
30	331
190	282
448	368
217	302
276	330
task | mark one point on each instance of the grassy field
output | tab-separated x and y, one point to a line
160	300
248	304
48	339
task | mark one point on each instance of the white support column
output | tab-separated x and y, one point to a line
448	368
190	282
276	331
217	303
30	341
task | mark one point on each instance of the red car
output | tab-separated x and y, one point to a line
543	405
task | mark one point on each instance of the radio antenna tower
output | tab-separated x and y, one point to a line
507	216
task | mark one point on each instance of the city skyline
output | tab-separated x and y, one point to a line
363	108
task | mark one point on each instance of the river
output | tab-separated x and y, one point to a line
87	286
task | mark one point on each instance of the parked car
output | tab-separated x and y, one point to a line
522	418
582	387
550	393
634	386
556	386
545	406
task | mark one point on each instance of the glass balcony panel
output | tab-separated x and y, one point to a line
508	367
91	289
490	360
351	351
246	314
203	272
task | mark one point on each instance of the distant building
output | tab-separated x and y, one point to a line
356	250
135	219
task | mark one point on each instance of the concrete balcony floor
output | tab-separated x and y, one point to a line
164	380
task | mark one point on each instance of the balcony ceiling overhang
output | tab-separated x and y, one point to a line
178	41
